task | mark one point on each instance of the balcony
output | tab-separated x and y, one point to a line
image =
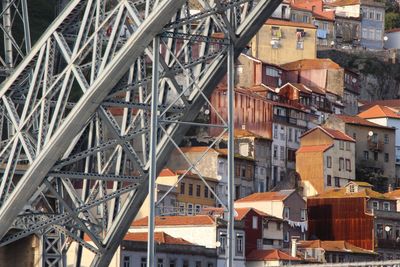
375	145
384	214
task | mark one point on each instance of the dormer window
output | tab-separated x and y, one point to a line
386	206
352	188
375	205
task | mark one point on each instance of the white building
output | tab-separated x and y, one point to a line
393	39
202	230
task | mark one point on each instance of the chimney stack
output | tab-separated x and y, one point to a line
294	246
390	188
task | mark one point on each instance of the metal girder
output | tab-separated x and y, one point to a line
77	111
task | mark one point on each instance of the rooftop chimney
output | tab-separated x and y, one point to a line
390	188
243	126
294	246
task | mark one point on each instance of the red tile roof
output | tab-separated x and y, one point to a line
334	134
379	111
167	172
359	121
342	193
159	237
197	149
316	7
311	64
310	149
242	212
391	103
289	23
177	220
270	255
333	246
264	196
395	194
345	3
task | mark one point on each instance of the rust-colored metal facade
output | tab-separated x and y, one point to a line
341	219
251	110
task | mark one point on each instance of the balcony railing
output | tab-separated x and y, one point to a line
387	243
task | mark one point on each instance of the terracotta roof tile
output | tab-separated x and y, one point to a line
289	23
358	121
316	7
265	196
167	172
334	134
159	237
345	3
341	193
310	149
379	111
395	194
311	64
392	103
270	255
177	220
333	246
242	212
197	149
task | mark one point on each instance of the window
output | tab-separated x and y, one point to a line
337	182
127	261
329	161
273	73
305	19
255	222
190	209
267	241
198	264
282	152
243	171
366	155
386	139
278	226
375	205
286	238
354	136
190	189
303	214
198	190
378	35
375	155
371	34
275	129
182	207
172	263
211	194
222	240
348	165
386	157
206	192
365	33
182	188
371	14
286	212
239	245
197	208
160	262
275	155
290	134
300	45
185	263
378	16
341	164
386	206
276	32
210	264
143	262
293	17
348	146
329	180
341	145
379	231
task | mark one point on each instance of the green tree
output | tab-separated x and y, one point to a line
392	20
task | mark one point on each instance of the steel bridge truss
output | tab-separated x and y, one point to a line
75	114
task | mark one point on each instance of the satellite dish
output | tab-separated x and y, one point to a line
219	177
387	228
354	80
370	133
218	244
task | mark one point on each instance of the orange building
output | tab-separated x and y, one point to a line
325	160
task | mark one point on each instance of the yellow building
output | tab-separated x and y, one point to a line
192	193
279	42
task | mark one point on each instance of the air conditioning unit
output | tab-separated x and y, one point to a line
275	43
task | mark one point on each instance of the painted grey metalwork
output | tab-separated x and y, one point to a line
75	149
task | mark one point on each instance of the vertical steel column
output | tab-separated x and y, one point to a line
153	156
27	31
231	154
7	33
